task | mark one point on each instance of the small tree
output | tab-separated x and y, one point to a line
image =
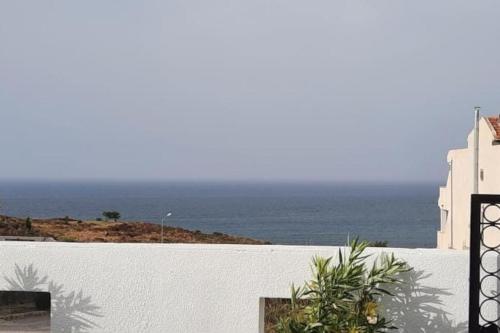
111	215
28	224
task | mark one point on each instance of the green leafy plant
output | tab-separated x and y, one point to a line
343	297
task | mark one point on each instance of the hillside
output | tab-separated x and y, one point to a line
71	230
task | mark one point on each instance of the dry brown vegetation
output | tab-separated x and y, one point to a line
275	308
71	230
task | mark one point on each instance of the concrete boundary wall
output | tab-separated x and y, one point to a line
201	288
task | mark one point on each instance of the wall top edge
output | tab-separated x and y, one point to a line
217	247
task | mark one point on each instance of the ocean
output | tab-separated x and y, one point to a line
404	215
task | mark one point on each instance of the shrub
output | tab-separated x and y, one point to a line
343	297
28	224
378	244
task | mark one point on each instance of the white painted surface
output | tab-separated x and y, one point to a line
455	196
181	288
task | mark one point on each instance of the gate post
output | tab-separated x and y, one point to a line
480	221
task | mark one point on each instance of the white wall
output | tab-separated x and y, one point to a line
181	288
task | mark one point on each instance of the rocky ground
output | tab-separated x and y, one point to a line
71	230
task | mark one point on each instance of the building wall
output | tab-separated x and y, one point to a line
455	196
199	288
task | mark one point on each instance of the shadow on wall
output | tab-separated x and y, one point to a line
418	308
71	312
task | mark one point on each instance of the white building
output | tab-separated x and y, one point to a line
454	198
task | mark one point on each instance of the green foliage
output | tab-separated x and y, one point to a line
378	244
343	297
111	215
28	224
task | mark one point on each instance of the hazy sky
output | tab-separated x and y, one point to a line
254	89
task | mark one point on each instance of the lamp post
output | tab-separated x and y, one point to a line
475	180
162	222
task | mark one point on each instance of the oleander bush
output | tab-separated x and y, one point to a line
343	297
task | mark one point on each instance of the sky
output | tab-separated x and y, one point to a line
321	90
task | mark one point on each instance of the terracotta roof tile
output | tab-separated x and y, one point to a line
495	123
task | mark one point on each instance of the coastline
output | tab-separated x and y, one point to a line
72	230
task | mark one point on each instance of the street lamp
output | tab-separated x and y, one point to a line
162	222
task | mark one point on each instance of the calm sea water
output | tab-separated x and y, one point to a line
405	215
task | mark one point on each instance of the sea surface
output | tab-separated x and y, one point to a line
405	215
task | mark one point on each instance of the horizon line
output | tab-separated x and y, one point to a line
218	180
